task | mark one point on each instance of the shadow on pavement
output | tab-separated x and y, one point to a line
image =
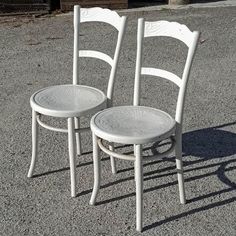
206	144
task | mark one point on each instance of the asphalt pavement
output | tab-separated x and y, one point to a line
36	52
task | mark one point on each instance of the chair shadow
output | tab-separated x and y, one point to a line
205	144
79	165
209	143
219	172
66	168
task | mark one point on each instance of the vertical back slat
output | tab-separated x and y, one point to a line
76	44
111	81
185	76
140	35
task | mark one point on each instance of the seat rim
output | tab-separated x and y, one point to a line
129	139
66	114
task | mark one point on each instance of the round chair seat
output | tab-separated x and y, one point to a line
68	101
132	124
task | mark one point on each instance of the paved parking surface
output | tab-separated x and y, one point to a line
37	52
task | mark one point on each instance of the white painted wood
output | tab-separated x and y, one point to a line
115	154
34	144
162	73
110	87
72	154
76	45
49	127
185	76
139	187
138	62
140	125
98	14
95	54
61	130
68	100
113	161
97	170
179	164
74	101
78	136
132	124
169	29
132	157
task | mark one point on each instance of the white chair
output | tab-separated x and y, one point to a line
139	125
73	101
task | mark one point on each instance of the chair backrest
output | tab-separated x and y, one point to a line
167	29
97	14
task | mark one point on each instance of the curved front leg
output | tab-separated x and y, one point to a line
34	143
113	160
97	170
139	186
72	153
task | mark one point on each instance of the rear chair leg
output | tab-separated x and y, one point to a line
113	160
78	136
179	166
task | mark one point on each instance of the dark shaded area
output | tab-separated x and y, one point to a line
190	212
146	3
28	6
31	6
210	142
204	1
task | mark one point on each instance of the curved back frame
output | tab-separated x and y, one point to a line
167	29
97	14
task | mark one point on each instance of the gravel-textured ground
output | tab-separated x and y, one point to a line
37	52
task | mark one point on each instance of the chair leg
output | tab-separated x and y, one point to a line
34	144
179	166
139	186
97	170
113	160
72	153
78	136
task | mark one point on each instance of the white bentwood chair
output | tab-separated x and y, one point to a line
74	101
139	125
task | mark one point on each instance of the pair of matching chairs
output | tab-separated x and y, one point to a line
135	125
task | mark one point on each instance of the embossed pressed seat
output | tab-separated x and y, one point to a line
139	125
68	101
133	125
72	101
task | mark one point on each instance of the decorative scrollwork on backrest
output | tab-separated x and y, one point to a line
168	29
100	15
